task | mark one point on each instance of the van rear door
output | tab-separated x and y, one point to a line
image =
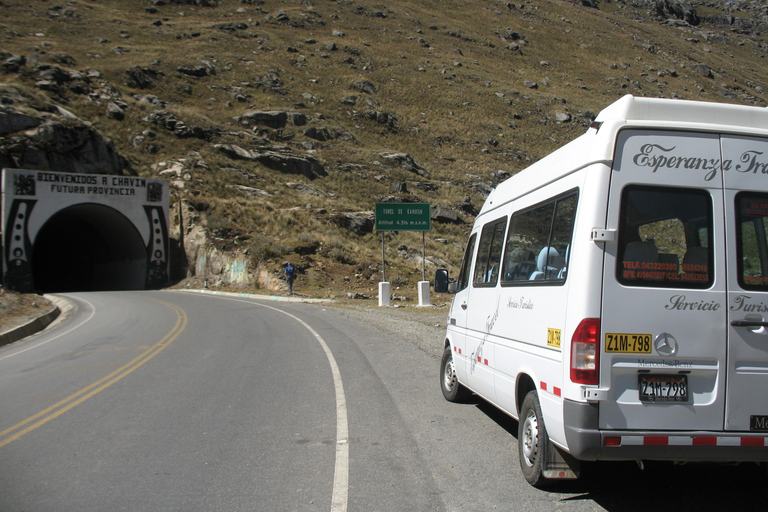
664	312
746	201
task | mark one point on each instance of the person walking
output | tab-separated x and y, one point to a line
290	275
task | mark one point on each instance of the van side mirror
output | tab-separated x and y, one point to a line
443	284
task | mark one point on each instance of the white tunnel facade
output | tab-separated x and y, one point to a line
80	232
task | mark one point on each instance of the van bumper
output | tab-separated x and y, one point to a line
586	442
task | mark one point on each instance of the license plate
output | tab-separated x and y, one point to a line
553	337
663	388
627	343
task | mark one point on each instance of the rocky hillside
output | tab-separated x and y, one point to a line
280	123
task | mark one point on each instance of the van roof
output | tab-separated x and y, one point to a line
680	112
597	145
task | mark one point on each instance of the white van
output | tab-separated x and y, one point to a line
613	296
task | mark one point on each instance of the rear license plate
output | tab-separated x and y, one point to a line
627	343
663	388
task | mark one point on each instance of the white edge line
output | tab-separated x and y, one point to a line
93	312
340	495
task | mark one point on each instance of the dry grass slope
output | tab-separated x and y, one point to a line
474	90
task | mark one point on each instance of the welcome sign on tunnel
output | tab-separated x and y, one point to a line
66	232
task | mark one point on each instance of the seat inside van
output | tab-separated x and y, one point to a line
642	252
548	264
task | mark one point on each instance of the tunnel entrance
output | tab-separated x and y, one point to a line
83	232
88	247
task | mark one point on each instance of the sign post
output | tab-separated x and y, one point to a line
404	217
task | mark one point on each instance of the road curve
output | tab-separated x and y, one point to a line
176	401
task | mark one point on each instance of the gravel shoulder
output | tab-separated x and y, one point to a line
422	326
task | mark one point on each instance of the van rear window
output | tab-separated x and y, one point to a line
665	238
752	226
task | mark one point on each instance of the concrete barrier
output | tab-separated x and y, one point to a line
33	326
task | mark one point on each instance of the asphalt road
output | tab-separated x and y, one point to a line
160	401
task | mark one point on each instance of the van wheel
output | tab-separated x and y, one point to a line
532	441
453	391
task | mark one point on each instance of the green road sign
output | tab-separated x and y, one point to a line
403	217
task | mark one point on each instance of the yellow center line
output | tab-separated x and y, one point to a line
84	394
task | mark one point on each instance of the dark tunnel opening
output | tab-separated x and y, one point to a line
88	247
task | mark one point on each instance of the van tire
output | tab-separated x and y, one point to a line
453	391
532	441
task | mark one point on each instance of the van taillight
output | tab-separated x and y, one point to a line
585	352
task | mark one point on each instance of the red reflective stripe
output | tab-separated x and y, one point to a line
556	390
691	441
485	362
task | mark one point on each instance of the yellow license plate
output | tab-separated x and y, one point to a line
627	343
553	337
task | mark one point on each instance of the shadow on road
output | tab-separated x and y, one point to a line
661	486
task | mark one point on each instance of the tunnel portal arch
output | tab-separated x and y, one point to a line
78	232
88	247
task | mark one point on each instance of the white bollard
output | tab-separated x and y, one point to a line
385	293
423	289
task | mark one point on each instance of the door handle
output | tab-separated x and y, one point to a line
748	323
463	305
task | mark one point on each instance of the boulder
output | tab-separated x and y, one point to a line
675	9
359	223
363	86
383	118
179	128
405	161
703	70
70	146
196	71
232	27
141	78
296	118
303	188
445	215
306	166
269	118
115	112
235	152
321	134
272	82
400	187
11	121
13	63
467	207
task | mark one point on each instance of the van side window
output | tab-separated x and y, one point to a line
665	238
489	253
466	263
752	240
539	241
